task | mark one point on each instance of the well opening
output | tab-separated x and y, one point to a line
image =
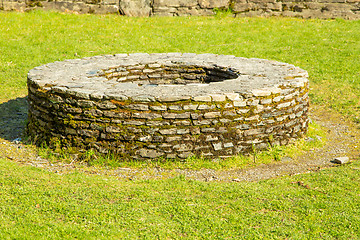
154	74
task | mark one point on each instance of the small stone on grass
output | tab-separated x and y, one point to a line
340	160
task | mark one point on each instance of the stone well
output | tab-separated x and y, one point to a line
168	105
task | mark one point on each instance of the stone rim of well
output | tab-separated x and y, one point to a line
80	77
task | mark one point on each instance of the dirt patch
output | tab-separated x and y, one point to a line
343	140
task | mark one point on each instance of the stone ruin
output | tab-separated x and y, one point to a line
168	105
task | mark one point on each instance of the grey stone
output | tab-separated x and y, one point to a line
207	130
182	147
149	153
175	107
212	114
85	104
210	138
225	120
340	160
145	138
190	107
205	98
203	107
133	122
266	101
176	115
233	96
157	138
140	107
239	103
229	113
172	98
253	131
158	108
228	145
183	131
173	138
155	123
88	133
218	97
217	146
143	98
182	123
112	129
185	154
146	115
168	131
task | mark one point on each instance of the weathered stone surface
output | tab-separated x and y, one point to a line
175	3
149	153
169	131
340	160
212	114
205	98
190	107
159	108
146	115
218	98
185	115
239	103
135	8
183	147
214	3
217	146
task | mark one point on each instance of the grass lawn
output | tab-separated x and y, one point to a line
35	204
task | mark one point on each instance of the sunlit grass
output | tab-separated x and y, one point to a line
37	204
328	49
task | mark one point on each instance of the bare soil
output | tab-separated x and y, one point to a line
343	140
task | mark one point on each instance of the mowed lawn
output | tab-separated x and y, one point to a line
36	204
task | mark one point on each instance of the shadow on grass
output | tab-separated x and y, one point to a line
13	117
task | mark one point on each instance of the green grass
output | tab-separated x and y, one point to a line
36	204
328	49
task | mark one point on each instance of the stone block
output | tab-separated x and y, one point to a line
135	8
146	115
243	6
182	147
183	131
211	138
239	103
217	146
214	3
168	131
218	98
158	108
140	107
190	107
149	153
175	3
205	98
175	107
212	114
176	115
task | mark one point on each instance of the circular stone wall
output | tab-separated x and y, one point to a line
169	105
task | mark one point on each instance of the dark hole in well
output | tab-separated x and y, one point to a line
156	74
